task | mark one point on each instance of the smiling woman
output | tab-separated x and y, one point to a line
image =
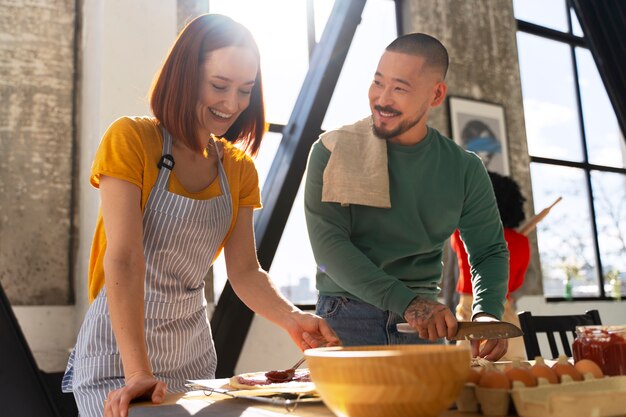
176	190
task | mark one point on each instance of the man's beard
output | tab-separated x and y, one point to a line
400	129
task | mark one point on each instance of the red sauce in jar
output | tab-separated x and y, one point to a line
605	345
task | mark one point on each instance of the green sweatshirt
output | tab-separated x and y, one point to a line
387	256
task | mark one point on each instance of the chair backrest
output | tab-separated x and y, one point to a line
551	325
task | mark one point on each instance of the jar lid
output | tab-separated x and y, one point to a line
619	329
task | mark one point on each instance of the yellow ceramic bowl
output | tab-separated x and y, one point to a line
389	381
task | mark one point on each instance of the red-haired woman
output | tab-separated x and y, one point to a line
175	191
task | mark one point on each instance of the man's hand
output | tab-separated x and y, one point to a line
431	319
491	350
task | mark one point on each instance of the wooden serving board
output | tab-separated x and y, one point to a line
300	389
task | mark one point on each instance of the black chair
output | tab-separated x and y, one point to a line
551	325
26	391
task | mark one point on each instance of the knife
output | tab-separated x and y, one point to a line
476	330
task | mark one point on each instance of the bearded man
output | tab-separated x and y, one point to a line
382	197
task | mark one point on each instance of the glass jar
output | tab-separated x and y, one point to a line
605	345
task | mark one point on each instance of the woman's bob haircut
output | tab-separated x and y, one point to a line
174	92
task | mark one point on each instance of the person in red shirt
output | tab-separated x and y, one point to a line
511	206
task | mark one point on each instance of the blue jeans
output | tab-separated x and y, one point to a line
360	324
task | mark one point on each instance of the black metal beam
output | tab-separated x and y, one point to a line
553	34
603	23
276	128
585	150
231	319
580	165
399	6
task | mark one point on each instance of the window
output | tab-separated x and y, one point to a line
284	40
577	151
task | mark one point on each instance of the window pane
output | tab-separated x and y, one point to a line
552	125
576	28
263	160
293	268
605	145
282	40
377	29
564	236
609	198
219	277
550	13
321	9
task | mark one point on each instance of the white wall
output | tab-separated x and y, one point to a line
122	46
50	332
611	312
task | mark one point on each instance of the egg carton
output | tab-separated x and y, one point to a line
604	397
601	397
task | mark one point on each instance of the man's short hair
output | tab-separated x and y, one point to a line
421	44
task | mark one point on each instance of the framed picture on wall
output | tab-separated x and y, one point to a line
480	127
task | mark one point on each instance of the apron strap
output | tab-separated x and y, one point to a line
167	161
222	174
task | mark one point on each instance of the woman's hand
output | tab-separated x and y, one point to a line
310	331
491	350
141	385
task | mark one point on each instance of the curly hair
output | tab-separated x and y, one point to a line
510	200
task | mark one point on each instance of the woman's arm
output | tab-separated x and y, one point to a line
253	285
124	270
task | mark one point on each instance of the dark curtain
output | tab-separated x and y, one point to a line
604	25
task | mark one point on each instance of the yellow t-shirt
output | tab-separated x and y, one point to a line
130	150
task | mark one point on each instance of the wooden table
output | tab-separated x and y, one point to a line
197	404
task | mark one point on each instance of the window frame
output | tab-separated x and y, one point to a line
574	41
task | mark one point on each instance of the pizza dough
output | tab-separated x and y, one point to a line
258	380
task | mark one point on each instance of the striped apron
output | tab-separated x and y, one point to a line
181	238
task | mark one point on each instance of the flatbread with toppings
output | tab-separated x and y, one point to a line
300	382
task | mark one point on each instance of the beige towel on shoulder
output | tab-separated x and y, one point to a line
356	172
